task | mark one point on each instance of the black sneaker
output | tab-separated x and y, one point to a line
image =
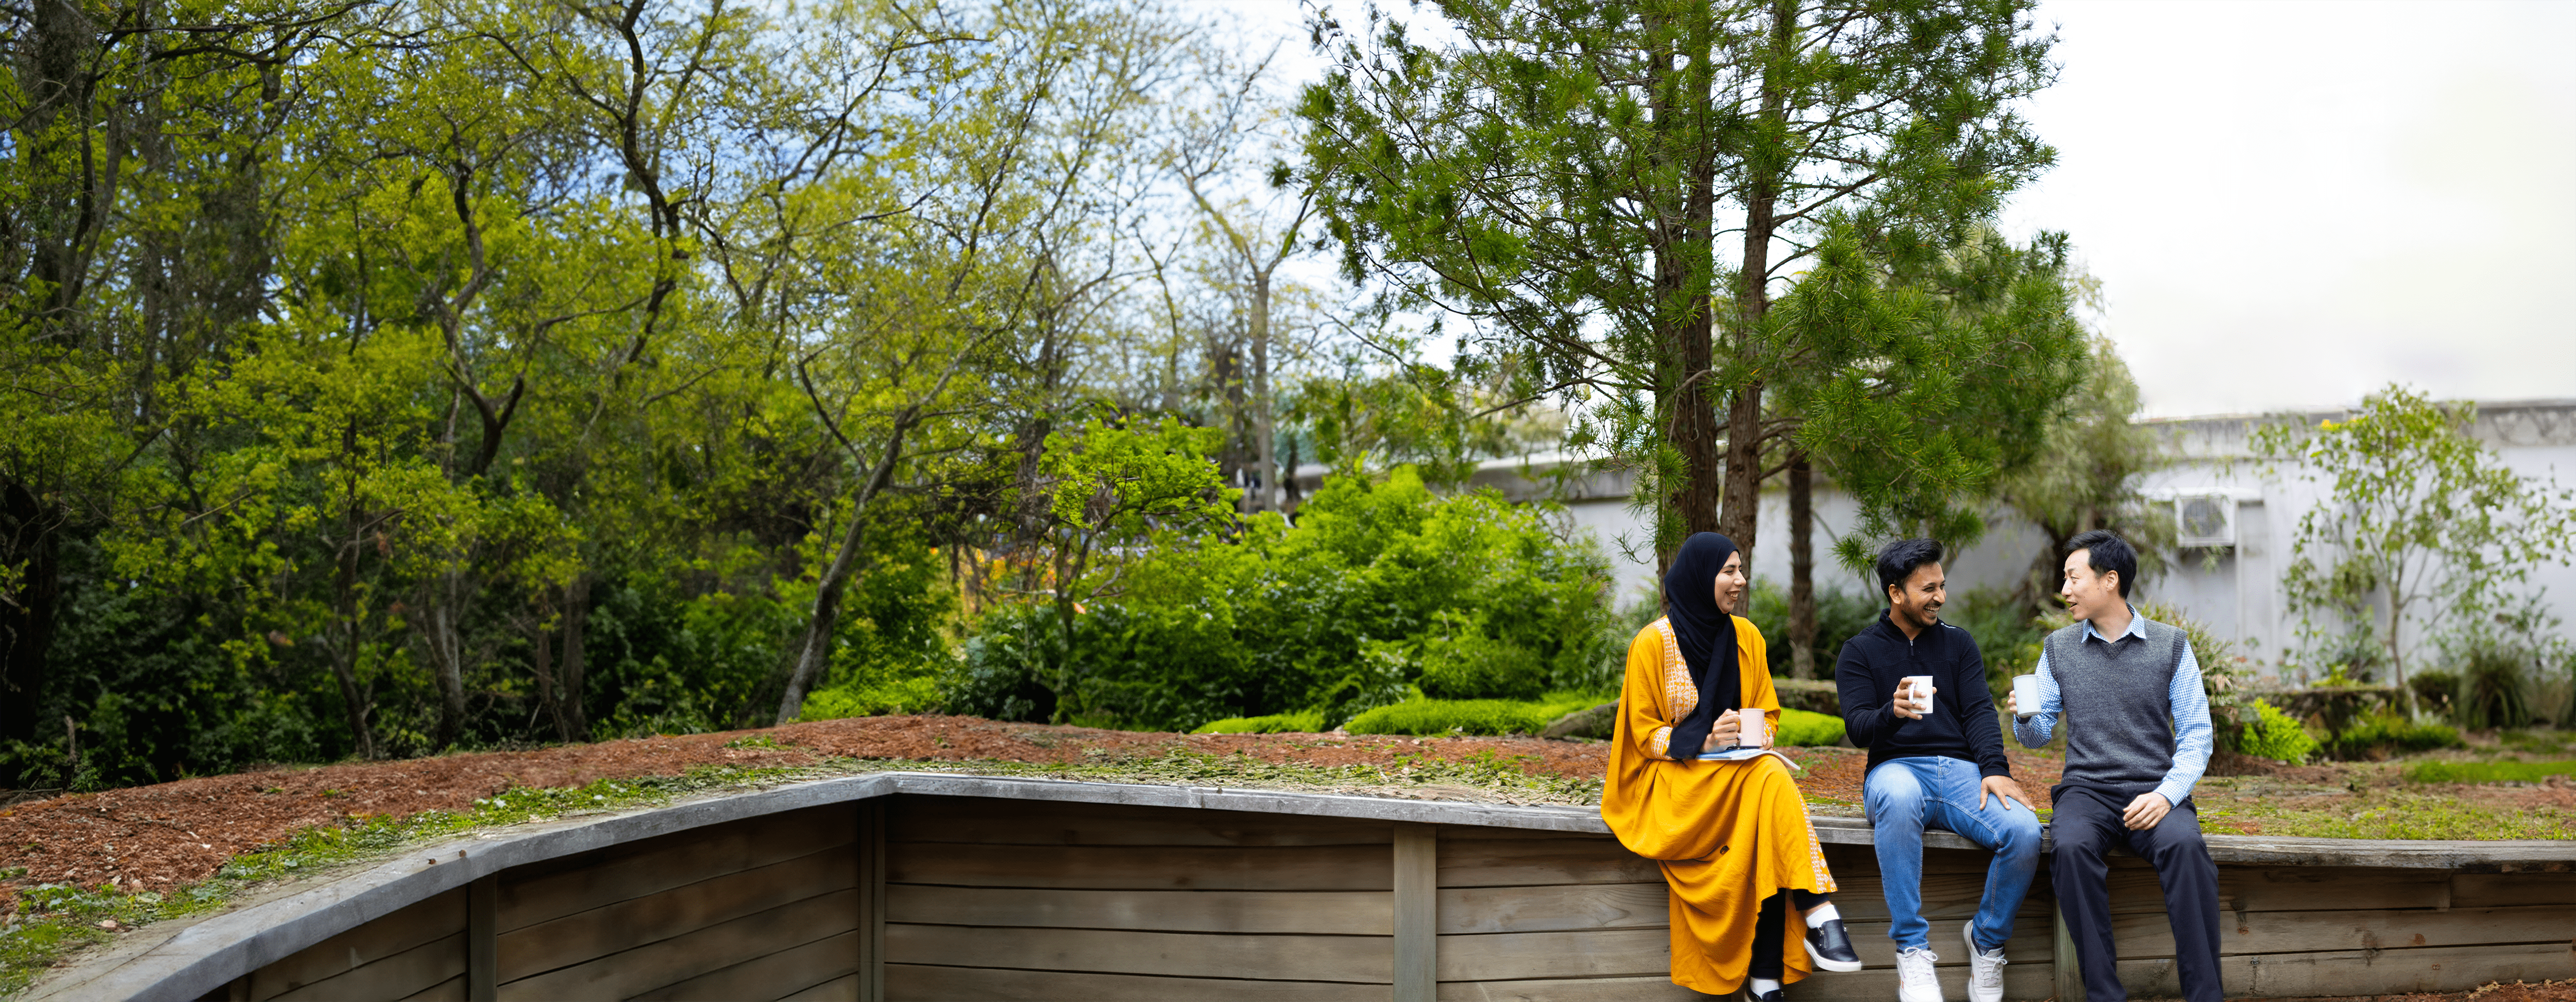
1830	947
1774	995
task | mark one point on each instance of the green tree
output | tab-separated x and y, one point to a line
1614	192
2419	519
2086	477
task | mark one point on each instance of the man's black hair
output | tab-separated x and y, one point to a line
1897	561
2106	552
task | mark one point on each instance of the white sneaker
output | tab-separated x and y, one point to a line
1985	970
1914	979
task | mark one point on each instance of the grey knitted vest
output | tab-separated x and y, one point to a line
2118	698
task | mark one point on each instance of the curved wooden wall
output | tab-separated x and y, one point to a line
918	886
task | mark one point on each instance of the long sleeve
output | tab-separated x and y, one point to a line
2193	736
1641	698
1977	720
2034	731
1869	702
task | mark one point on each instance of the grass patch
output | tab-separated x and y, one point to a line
1809	729
1303	722
2486	772
1470	716
2412	816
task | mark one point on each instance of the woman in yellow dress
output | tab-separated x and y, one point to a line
1731	837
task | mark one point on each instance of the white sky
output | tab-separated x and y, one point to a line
2294	203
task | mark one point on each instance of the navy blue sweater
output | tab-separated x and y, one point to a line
1962	722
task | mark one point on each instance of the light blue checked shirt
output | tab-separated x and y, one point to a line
2192	734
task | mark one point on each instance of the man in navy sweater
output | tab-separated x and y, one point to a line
1941	767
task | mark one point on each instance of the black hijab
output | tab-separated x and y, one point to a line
1705	635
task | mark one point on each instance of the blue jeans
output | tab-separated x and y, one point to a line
1906	795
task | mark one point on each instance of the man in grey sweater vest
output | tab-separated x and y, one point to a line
2137	738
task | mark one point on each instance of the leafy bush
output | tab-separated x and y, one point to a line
2274	735
2494	690
1469	716
1308	722
1379	586
2435	691
2389	734
2486	772
1808	729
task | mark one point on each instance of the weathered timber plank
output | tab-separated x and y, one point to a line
2359	972
1862	859
1020	822
778	975
1475	862
1515	956
2319	888
2151	935
1646	988
2482	890
1552	908
844	989
633	972
1284	958
1282	868
1417	912
1359	913
402	974
450	990
583	881
599	932
917	983
429	920
2030	942
1946	896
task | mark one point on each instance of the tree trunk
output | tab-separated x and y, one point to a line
814	652
1802	568
541	665
576	626
1762	166
1683	259
1265	462
30	536
445	637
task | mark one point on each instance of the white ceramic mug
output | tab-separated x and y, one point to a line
2025	694
1751	721
1922	690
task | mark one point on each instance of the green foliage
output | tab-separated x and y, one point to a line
1470	716
1839	616
2275	736
2494	691
2007	635
1381	585
2486	772
1307	722
1807	728
2085	476
2436	691
2421	520
2389	734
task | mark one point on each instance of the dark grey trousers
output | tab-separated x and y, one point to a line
2086	826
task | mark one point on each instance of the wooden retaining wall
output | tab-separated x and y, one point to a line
909	886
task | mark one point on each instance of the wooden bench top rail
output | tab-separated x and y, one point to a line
196	957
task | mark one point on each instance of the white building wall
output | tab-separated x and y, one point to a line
2235	591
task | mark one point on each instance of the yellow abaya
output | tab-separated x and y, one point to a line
1726	834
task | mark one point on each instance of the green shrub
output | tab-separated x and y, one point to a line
2494	691
2435	691
2380	736
1469	716
1379	587
2486	772
1809	729
1306	722
2273	735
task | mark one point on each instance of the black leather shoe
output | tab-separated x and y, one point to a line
1774	995
1830	947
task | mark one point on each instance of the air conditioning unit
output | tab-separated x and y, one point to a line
2205	520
